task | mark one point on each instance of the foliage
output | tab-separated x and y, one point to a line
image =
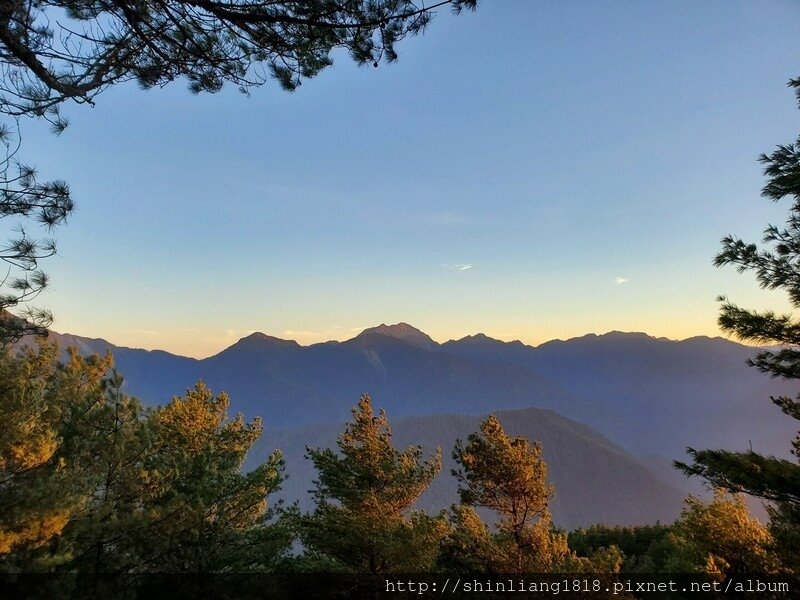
776	267
638	545
364	495
67	49
94	482
39	489
720	537
171	496
47	204
606	560
469	546
784	525
508	476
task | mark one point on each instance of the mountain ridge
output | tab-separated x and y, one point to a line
386	330
651	395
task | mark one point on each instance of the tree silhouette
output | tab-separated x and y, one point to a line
776	267
55	50
45	204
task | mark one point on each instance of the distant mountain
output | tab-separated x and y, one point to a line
402	331
696	392
154	376
651	396
595	480
291	385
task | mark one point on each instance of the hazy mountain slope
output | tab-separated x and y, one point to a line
152	375
595	480
625	368
291	385
651	396
402	331
753	421
673	394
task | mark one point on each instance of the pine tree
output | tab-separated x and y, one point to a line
169	492
94	482
46	204
776	267
220	512
73	49
364	520
40	488
508	475
635	543
469	546
720	537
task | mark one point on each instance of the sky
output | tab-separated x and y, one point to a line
533	170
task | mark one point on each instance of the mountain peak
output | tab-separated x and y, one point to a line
478	338
262	339
402	331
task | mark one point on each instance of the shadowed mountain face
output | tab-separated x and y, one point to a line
595	480
651	396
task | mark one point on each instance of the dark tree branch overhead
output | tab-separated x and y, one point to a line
48	204
57	50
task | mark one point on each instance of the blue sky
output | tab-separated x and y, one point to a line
555	147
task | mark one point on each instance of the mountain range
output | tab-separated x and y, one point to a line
650	395
629	400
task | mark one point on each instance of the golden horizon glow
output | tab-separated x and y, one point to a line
200	344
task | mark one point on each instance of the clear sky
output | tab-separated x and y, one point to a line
583	159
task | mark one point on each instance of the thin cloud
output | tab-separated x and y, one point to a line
302	333
458	266
621	280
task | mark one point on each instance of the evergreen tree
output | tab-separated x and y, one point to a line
469	546
46	204
720	537
169	494
94	482
363	521
40	488
776	267
636	544
508	476
73	49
